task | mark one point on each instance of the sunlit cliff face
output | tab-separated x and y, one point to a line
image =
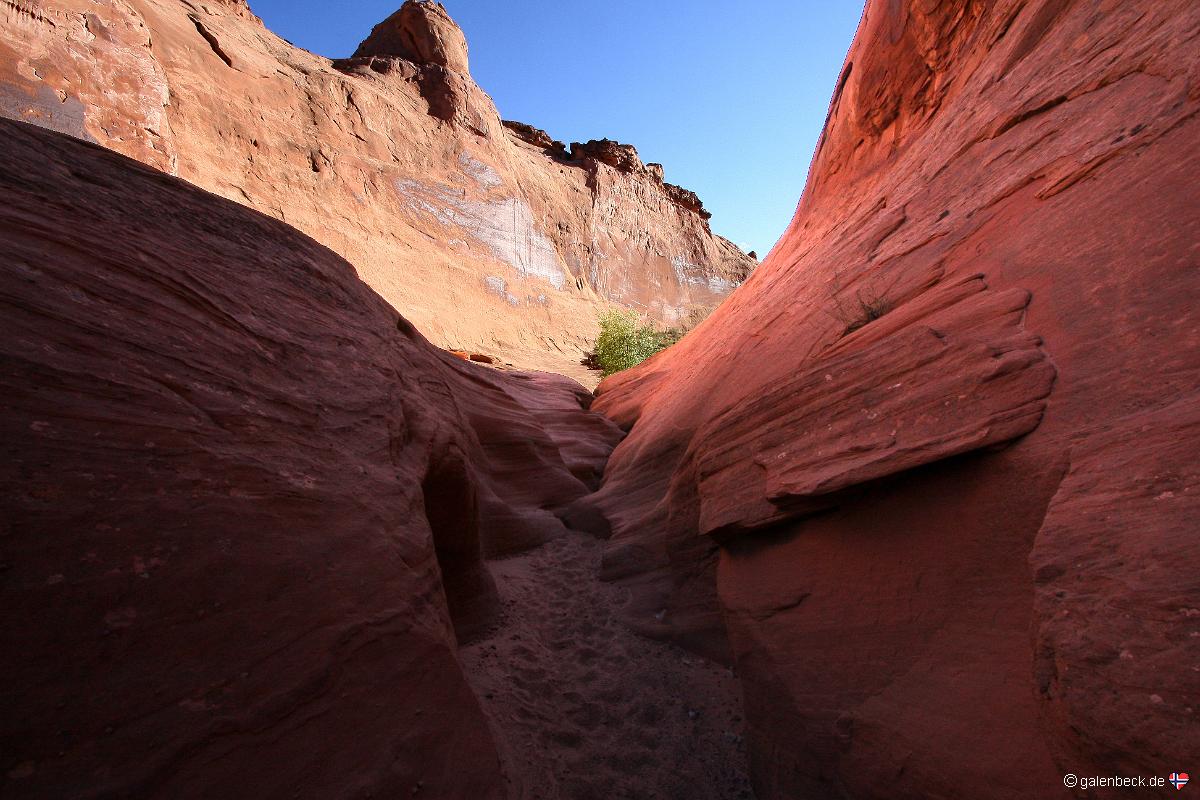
489	240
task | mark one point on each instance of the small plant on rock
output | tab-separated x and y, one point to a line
868	303
869	309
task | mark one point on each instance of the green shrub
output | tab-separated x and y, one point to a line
625	341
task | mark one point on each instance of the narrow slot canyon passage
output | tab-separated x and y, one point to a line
581	707
331	395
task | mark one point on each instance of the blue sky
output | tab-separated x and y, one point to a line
728	96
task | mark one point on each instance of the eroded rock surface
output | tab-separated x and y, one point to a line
393	158
946	433
950	372
927	480
245	505
421	32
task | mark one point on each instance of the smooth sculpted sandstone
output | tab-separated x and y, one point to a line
928	477
947	373
394	158
245	505
1115	597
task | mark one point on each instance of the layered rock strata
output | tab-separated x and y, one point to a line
925	479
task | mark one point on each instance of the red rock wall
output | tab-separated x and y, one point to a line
243	504
945	437
395	159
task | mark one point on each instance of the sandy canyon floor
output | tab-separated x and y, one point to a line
587	709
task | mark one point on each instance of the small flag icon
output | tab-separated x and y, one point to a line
1178	779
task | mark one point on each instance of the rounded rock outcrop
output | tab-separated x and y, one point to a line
422	32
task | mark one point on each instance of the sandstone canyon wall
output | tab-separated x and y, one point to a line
928	480
488	236
245	506
930	476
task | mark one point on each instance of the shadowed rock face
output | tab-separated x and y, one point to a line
924	477
394	158
244	504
